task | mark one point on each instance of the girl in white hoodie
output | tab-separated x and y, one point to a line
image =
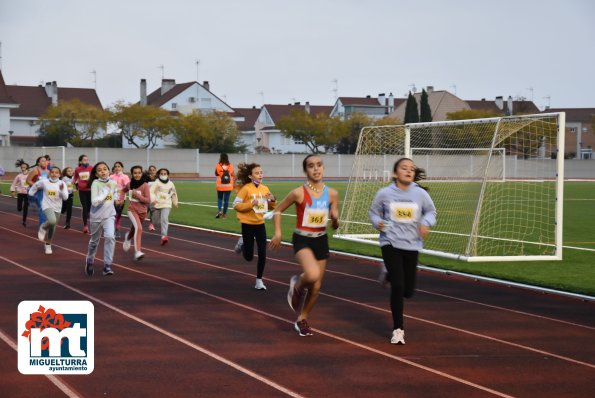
163	196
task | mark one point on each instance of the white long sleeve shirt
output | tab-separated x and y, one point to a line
53	195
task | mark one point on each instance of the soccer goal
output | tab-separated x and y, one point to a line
497	184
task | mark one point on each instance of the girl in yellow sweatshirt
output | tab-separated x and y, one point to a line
253	200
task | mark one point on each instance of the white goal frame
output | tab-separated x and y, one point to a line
502	126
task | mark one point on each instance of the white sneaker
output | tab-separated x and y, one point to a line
259	285
398	337
48	249
383	277
239	246
41	233
138	255
126	244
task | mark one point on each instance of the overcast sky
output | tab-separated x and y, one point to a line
306	50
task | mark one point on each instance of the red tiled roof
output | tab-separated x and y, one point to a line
250	115
584	115
156	99
483	105
369	101
34	100
4	96
277	111
526	107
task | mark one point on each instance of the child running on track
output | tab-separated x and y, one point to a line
121	180
39	172
101	218
251	203
54	192
403	212
150	177
81	180
315	203
67	175
163	196
139	198
19	189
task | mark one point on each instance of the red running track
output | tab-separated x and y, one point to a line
187	322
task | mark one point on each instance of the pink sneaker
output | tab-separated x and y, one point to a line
151	227
302	328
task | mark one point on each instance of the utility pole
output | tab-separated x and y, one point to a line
162	71
454	87
261	96
336	88
94	73
197	62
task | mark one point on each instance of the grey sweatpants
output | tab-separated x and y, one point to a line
107	226
161	217
50	223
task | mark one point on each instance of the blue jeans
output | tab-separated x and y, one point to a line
223	196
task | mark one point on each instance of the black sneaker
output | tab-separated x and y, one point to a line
219	214
107	271
67	225
89	268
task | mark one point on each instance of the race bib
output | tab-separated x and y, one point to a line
162	197
52	193
404	212
130	197
84	175
262	206
69	186
315	218
109	197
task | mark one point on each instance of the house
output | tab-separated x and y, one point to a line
246	121
24	105
181	98
374	108
270	138
579	138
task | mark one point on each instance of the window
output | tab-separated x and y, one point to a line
174	105
573	129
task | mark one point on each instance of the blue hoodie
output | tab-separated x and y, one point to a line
407	209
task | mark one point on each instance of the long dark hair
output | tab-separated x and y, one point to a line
420	174
244	170
94	172
223	159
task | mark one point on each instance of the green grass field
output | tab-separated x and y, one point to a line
575	273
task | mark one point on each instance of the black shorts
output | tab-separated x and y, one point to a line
318	245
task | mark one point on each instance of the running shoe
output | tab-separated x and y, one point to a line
107	271
239	246
151	227
126	243
67	225
41	233
219	214
259	285
294	296
302	328
398	337
117	234
89	268
139	255
48	249
383	277
224	216
164	240
85	229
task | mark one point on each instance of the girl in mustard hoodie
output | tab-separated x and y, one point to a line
253	200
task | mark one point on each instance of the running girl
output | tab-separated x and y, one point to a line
163	196
81	180
54	192
101	218
138	199
121	180
39	172
253	200
19	188
403	212
67	175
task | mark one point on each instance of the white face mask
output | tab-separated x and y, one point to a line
54	179
163	178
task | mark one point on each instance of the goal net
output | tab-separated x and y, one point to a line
497	184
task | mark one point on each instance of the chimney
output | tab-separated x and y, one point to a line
48	89
307	107
391	103
206	85
143	92
429	89
54	93
500	102
509	112
166	85
382	99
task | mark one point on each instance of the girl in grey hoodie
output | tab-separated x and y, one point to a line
403	212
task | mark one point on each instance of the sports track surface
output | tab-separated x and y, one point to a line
187	322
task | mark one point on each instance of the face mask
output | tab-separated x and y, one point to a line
104	179
163	178
85	164
25	172
54	179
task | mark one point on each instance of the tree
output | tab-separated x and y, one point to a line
425	113
141	125
411	112
72	122
214	132
314	131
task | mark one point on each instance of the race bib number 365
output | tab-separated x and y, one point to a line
315	218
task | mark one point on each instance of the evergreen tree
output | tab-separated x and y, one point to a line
425	113
411	112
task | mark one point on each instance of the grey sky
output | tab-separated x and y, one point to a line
294	50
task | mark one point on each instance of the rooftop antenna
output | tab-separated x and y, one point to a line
454	87
413	88
336	88
0	55
94	73
548	98
162	71
531	90
197	62
261	93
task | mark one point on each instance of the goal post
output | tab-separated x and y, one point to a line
497	184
